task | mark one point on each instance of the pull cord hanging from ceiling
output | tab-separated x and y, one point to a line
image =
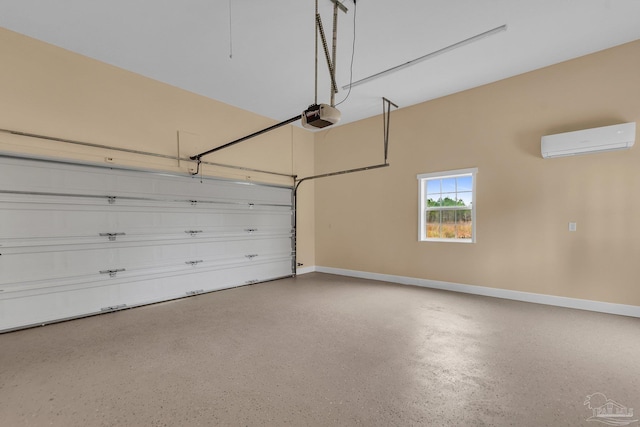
230	33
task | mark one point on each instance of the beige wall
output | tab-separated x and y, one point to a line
368	221
50	91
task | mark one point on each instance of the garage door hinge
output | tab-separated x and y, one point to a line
112	236
193	263
250	230
251	256
113	307
193	202
196	292
112	273
111	199
193	232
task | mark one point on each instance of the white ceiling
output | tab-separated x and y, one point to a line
187	43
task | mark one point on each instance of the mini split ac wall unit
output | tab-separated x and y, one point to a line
597	140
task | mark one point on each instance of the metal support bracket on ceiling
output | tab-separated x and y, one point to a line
330	62
386	117
340	5
320	32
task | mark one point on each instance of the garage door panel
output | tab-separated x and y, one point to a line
30	263
79	239
47	220
56	303
74	218
86	179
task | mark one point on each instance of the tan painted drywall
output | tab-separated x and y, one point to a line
50	91
368	221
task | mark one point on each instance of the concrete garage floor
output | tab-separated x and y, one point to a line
322	350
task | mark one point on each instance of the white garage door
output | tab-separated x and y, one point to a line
80	239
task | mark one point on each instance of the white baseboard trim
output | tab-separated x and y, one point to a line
580	304
305	270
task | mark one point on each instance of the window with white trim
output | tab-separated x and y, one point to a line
447	206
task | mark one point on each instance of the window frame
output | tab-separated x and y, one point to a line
422	200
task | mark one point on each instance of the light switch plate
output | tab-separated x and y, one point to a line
572	226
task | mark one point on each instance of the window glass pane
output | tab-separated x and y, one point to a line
448	185
435	201
449	199
448	224
433	224
464	224
466	198
433	186
465	183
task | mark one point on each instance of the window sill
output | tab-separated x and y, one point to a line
448	240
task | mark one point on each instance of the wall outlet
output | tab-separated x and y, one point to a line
572	226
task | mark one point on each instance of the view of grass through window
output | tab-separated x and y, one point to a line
448	207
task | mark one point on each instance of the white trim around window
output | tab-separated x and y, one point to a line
450	186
